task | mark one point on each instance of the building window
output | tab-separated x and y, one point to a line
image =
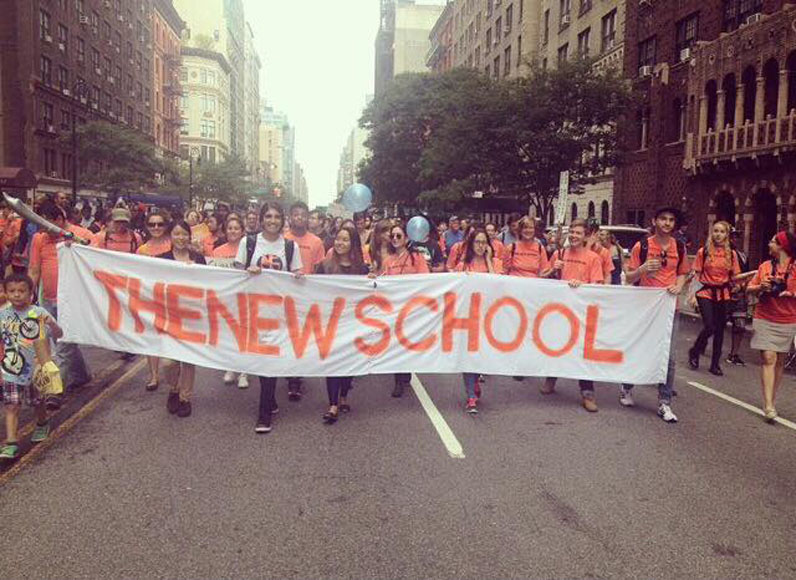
63	78
95	59
50	162
183	74
562	54
81	50
564	13
509	19
63	37
677	125
129	116
45	71
522	10
519	51
585	6
498	29
496	67
65	119
44	26
646	52
212	154
609	31
574	211
583	43
47	115
605	213
507	61
488	41
736	12
687	30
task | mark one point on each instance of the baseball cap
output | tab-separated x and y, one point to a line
120	214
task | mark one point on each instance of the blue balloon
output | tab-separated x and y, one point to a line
418	229
357	198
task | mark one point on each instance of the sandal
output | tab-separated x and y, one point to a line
345	407
152	386
329	418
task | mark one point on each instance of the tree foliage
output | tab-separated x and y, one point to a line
439	138
227	180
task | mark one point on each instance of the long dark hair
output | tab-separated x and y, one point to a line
375	242
332	265
469	249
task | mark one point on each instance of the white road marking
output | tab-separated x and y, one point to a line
747	406
448	438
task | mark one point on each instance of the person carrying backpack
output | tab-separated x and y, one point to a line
268	250
659	261
717	266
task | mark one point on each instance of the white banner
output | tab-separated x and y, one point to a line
273	324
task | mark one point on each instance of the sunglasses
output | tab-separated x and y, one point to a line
397	236
156	224
664	258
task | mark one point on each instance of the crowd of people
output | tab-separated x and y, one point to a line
308	242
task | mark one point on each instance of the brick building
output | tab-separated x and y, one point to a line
166	76
88	58
715	127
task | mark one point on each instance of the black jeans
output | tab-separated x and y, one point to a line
267	399
714	319
405	378
337	387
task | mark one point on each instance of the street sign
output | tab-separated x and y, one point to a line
563	195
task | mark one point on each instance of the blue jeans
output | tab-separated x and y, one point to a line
665	389
470	381
337	387
67	356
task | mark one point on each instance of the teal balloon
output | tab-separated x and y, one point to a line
418	228
357	198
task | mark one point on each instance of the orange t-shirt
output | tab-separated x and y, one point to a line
80	232
43	253
127	243
668	274
581	264
715	272
605	259
365	254
406	263
455	255
775	309
499	248
155	247
199	232
480	265
525	259
311	248
11	231
208	244
228	250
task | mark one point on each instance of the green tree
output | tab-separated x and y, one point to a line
228	180
117	159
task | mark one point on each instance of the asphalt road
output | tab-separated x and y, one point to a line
544	490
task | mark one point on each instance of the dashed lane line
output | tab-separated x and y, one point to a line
70	423
450	441
747	406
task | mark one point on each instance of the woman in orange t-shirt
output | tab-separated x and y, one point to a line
478	256
400	260
214	238
377	251
717	266
774	323
526	257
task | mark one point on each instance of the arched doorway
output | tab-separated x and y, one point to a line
764	224
725	207
771	76
605	213
574	211
591	209
713	100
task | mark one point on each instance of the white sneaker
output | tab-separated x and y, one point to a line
229	377
626	397
665	413
243	381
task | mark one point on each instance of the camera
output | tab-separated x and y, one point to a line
778	286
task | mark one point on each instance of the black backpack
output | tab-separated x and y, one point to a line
251	244
645	247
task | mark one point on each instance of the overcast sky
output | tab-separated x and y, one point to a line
318	62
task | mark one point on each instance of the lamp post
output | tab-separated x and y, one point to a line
193	151
80	92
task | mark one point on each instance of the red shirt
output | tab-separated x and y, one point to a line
580	264
406	263
525	259
311	248
776	309
668	274
716	272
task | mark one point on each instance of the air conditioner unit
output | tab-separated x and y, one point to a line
610	44
753	19
120	17
61	47
94	30
112	115
83	20
67	92
98	71
131	62
119	50
148	46
107	3
645	71
48	38
130	25
132	94
94	106
83	100
685	54
565	19
111	80
146	103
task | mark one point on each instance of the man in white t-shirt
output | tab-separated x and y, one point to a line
269	250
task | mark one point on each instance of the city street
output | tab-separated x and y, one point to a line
544	489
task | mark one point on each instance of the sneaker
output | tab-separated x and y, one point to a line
262	427
52	402
9	451
40	433
589	404
472	406
693	359
715	370
173	403
184	410
736	360
547	389
626	397
665	413
274	409
229	377
243	381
